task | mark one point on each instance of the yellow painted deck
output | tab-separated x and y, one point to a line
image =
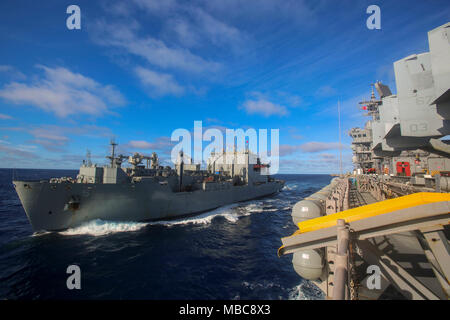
373	209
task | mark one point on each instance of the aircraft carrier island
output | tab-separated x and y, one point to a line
144	192
381	232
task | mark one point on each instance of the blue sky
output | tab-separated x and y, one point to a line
139	69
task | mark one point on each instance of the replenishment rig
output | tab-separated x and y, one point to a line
381	232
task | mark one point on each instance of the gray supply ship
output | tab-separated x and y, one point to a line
144	192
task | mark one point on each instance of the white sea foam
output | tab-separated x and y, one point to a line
227	212
39	234
100	227
253	207
231	213
305	291
260	285
290	187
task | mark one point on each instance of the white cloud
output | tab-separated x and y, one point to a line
5	68
12	72
140	144
264	107
261	102
49	138
192	24
64	93
5	116
327	156
162	144
156	5
207	28
16	151
314	146
153	50
326	91
291	100
159	83
55	138
316	165
286	149
183	32
294	133
298	12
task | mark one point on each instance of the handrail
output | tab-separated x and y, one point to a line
372	210
411	212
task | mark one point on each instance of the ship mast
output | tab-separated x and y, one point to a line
112	156
88	158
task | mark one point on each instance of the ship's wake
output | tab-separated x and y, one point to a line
100	227
232	213
205	218
306	290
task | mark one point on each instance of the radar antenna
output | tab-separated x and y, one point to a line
88	158
112	156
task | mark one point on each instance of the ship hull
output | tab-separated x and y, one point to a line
56	207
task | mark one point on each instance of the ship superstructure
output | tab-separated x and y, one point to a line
405	135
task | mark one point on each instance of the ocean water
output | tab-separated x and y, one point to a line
227	253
